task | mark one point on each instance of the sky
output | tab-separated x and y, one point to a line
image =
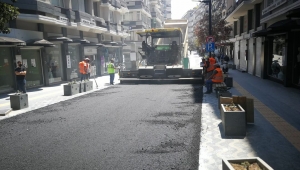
180	7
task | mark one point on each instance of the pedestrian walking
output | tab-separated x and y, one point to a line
111	71
20	72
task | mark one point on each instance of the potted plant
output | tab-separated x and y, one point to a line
233	119
245	163
19	100
71	88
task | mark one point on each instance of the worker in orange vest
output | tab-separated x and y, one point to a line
216	77
210	67
83	68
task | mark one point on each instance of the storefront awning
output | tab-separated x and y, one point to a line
40	42
80	40
93	44
120	44
261	33
294	13
284	25
11	41
110	43
57	38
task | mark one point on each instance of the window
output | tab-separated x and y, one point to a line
112	17
75	5
138	15
269	2
278	64
131	35
95	4
58	3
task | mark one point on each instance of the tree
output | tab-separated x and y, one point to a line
8	13
220	31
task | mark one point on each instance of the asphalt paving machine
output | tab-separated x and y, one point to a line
164	54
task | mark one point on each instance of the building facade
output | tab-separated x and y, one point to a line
190	17
245	50
51	37
264	38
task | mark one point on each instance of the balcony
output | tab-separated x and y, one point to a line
115	3
138	5
240	8
153	1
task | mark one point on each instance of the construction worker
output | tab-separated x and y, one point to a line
111	71
83	68
216	77
210	66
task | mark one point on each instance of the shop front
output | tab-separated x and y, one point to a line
7	75
73	58
91	53
54	63
32	61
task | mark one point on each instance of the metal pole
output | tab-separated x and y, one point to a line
209	27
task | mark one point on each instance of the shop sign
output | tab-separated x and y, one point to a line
275	4
92	22
69	61
85	21
90	51
63	19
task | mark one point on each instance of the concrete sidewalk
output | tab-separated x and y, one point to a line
43	96
274	136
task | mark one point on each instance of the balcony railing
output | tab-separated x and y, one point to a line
233	7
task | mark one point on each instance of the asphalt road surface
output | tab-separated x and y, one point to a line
124	127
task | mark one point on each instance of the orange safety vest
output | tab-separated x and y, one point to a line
211	67
82	67
218	78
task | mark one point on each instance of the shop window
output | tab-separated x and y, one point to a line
72	64
32	61
7	75
54	64
278	65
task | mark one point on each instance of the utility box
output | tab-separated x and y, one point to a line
185	62
228	81
19	101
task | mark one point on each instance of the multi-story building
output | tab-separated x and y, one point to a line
244	18
190	17
265	35
143	14
166	9
51	37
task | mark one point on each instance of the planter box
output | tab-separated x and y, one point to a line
222	95
233	67
19	101
234	122
71	89
88	85
249	111
227	166
81	87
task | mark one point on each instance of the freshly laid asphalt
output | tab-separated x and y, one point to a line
121	127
